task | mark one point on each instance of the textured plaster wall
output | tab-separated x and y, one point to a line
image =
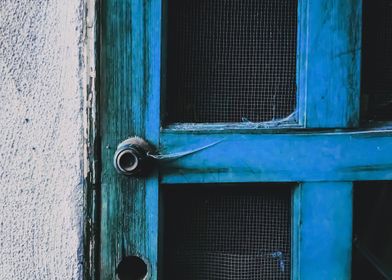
41	139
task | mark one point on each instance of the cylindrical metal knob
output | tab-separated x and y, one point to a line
131	157
135	156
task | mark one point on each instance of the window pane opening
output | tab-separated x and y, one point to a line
376	82
230	61
372	231
226	232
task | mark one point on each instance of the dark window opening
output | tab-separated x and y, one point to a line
230	61
226	232
376	85
372	248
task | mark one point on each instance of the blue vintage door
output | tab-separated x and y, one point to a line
253	110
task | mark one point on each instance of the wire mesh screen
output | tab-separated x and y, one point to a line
230	60
377	60
227	233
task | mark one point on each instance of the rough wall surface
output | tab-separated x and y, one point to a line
41	139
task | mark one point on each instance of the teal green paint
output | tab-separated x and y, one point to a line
325	232
130	52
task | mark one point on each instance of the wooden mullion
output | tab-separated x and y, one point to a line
332	85
332	63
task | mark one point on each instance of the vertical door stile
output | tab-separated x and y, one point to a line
130	77
152	124
324	218
325	230
333	63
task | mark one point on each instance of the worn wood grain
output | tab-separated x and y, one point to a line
130	48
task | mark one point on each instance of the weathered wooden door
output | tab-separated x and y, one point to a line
261	100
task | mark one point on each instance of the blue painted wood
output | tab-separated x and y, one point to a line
332	83
331	75
331	80
299	156
328	88
325	231
130	89
152	127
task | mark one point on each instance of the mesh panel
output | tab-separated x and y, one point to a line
227	233
377	59
231	60
372	234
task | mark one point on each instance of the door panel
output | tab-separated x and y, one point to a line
327	96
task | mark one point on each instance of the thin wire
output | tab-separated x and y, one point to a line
182	154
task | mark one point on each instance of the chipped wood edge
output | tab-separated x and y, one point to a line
91	142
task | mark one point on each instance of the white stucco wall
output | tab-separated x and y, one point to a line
41	139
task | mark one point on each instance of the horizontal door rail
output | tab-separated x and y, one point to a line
278	157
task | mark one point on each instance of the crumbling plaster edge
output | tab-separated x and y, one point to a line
89	58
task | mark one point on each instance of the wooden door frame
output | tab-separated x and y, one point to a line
129	51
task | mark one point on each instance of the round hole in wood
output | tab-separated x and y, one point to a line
132	268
